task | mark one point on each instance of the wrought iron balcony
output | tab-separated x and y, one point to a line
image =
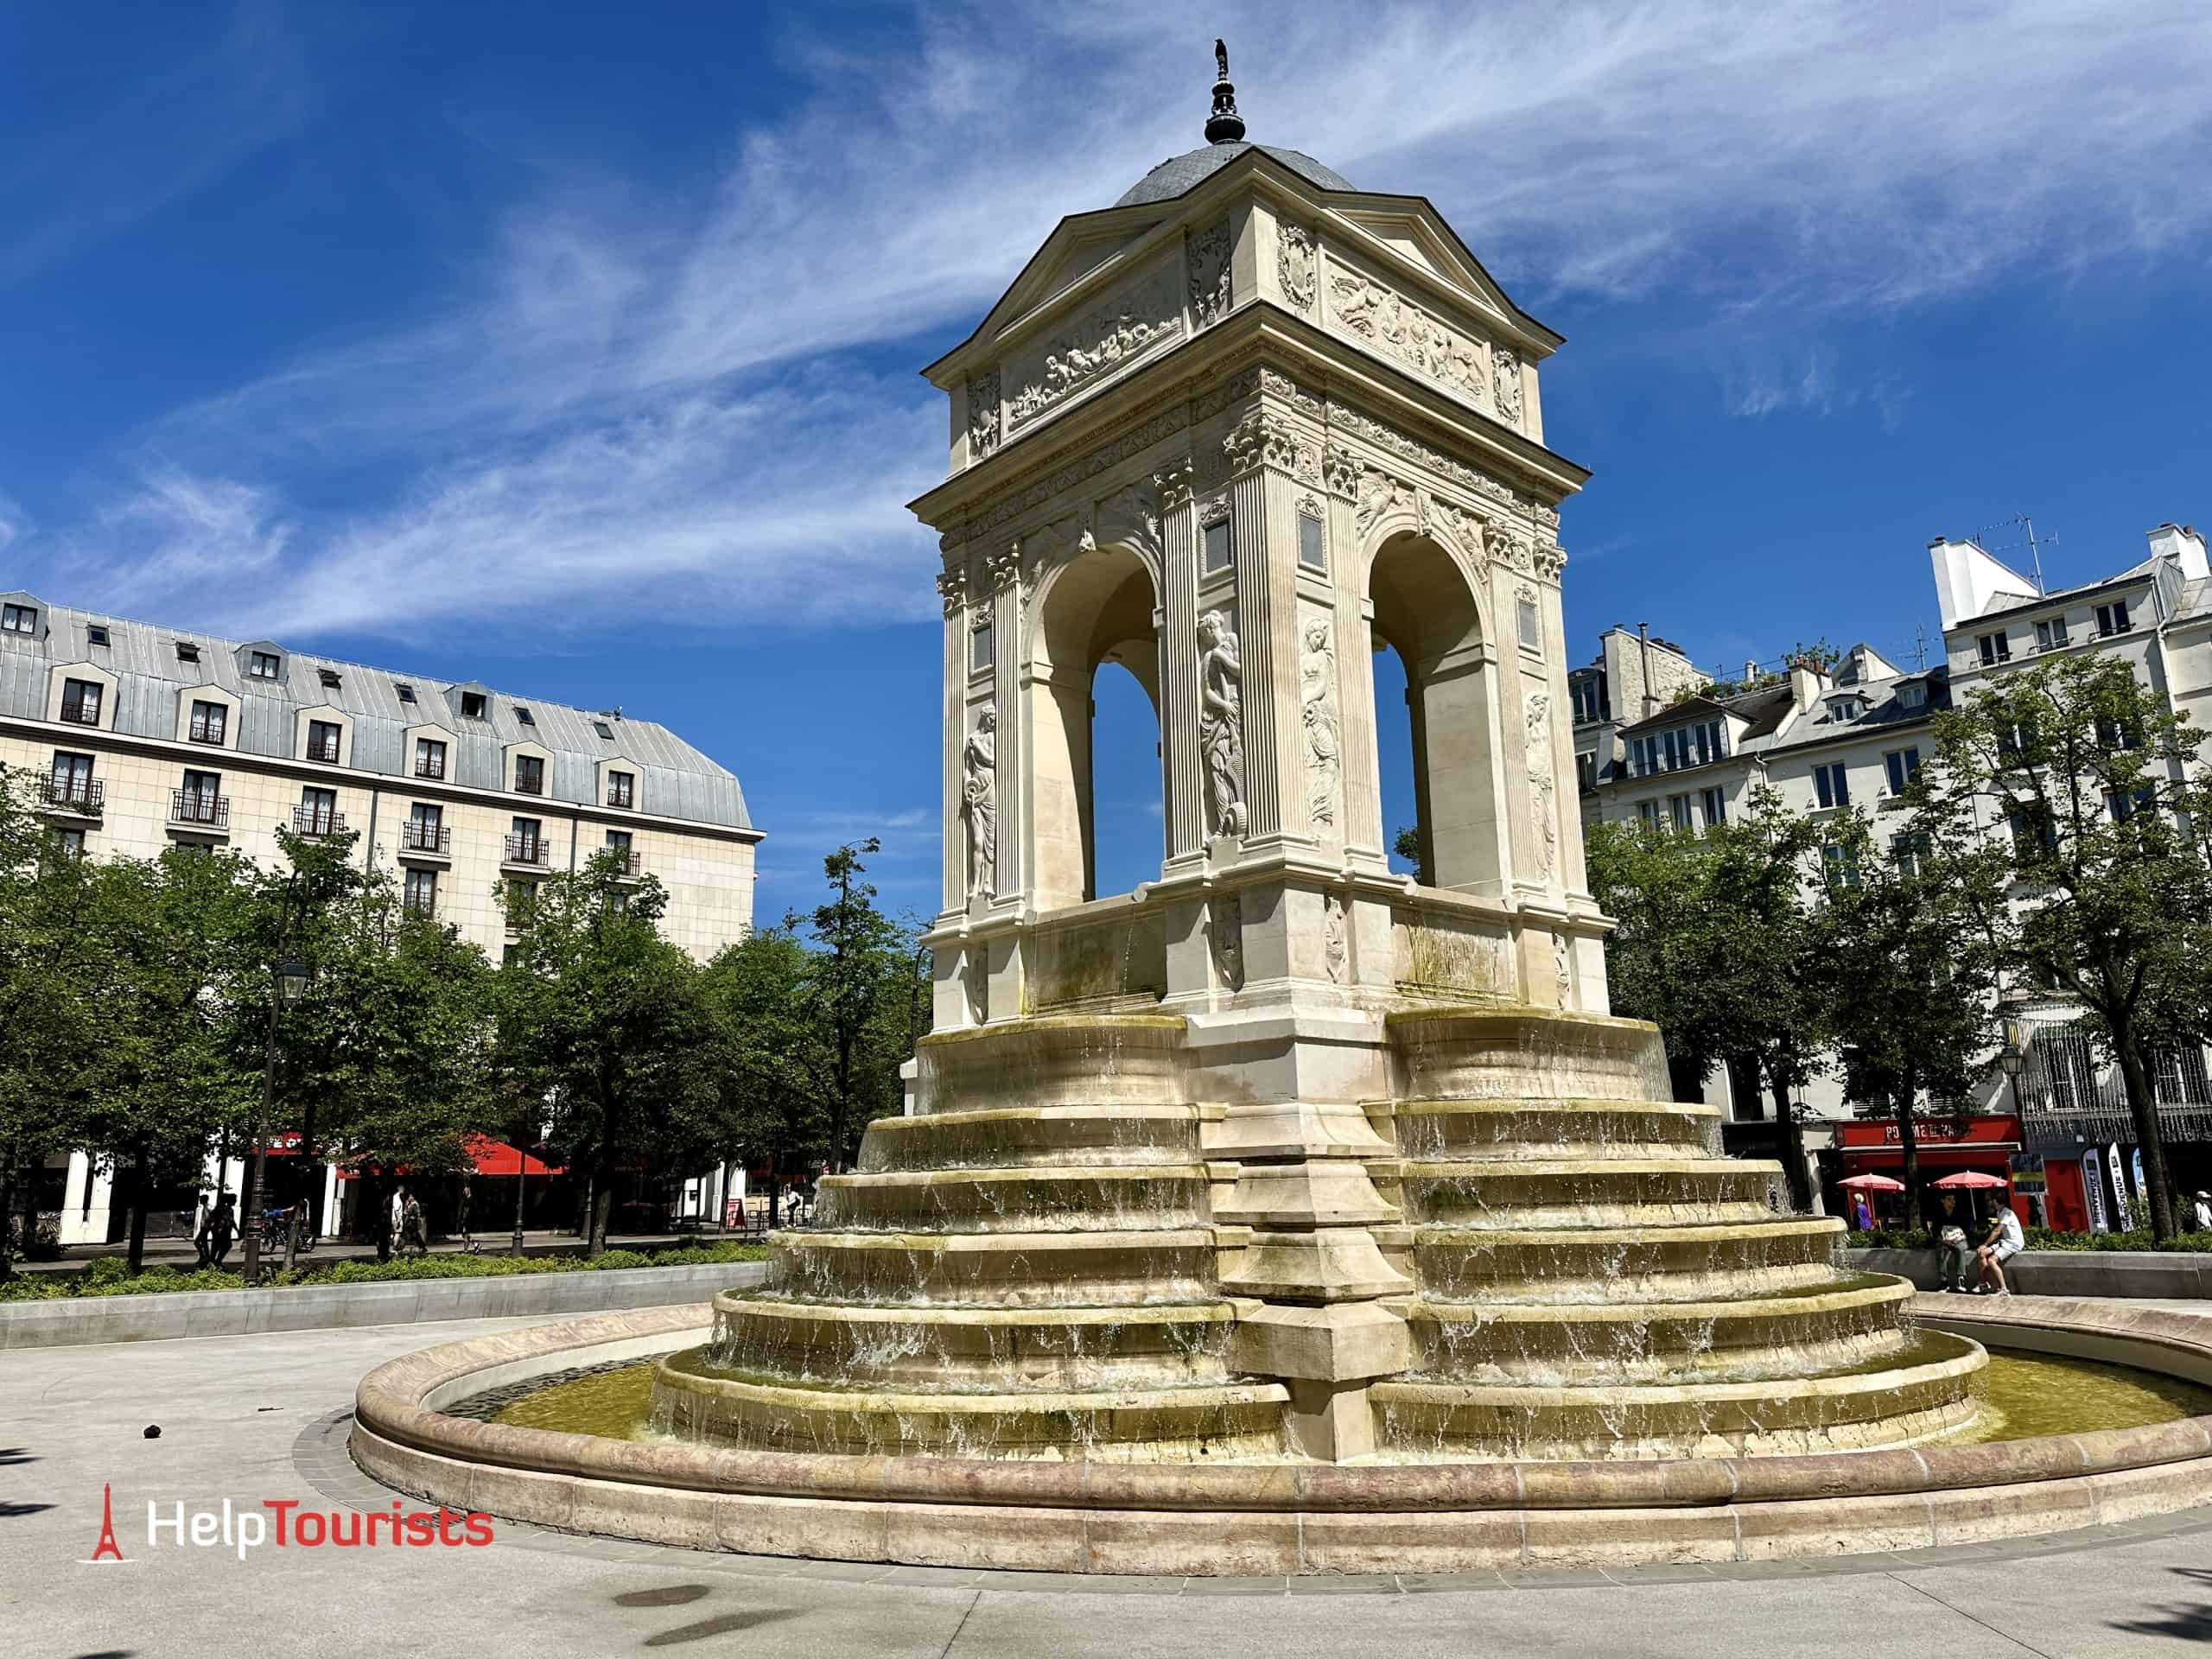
324	749
427	767
318	821
417	837
84	797
531	850
627	862
199	810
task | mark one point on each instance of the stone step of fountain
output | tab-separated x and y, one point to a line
1589	1192
1032	1137
1850	1319
995	1269
971	1350
1074	1198
1916	1393
1441	1130
1201	1422
1649	1262
1518	1053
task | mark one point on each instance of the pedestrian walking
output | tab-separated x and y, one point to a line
460	1218
217	1232
412	1229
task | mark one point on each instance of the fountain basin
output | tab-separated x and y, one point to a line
1282	1516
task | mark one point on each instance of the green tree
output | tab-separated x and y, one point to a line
775	1080
1713	944
607	1020
1908	947
169	1073
52	961
858	957
390	1055
2093	782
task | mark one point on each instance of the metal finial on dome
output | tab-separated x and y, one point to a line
1224	126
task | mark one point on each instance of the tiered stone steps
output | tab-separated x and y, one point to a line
1037	1280
1594	1281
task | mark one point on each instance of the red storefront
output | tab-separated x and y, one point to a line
1945	1144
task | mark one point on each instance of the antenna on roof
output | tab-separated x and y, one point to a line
2027	527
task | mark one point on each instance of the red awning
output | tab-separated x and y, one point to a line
497	1158
491	1157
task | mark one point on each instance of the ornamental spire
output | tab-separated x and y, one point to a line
1224	126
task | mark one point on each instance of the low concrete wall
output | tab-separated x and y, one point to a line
1082	1517
66	1320
2163	1274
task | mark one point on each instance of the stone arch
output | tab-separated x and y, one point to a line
1098	605
1425	603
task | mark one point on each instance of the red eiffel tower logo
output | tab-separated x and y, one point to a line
108	1550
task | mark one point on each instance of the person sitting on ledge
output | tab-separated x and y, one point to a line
2005	1242
1951	1241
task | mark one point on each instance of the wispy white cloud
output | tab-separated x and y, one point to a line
636	391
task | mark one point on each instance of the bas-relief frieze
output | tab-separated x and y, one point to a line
1543	819
1206	267
1221	723
1405	332
1084	350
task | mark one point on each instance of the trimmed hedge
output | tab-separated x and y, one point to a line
2039	1238
110	1276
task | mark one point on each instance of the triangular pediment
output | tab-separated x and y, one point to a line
1418	235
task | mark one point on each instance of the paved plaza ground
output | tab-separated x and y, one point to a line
262	1417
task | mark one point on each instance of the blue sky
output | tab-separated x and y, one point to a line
574	349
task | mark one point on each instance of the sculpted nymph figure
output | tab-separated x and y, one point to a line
979	800
1221	722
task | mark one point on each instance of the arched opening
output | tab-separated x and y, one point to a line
1425	613
1129	833
1097	735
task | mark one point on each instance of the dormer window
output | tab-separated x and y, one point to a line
621	788
1914	695
187	652
80	702
530	775
324	739
18	619
472	705
263	665
96	634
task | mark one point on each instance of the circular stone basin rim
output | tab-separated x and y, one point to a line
388	1407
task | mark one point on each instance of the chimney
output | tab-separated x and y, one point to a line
1750	671
2185	545
1806	684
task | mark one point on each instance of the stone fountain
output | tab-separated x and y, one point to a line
1284	1156
1287	1214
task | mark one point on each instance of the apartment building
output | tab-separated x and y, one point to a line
1827	738
140	737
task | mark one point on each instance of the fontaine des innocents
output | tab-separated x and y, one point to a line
1283	1154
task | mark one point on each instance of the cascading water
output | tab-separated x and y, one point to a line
1590	1278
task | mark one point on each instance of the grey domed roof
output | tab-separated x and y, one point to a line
1179	173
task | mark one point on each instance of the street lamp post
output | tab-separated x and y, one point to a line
288	983
2013	1057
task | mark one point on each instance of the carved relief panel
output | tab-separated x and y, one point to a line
1206	268
1104	334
